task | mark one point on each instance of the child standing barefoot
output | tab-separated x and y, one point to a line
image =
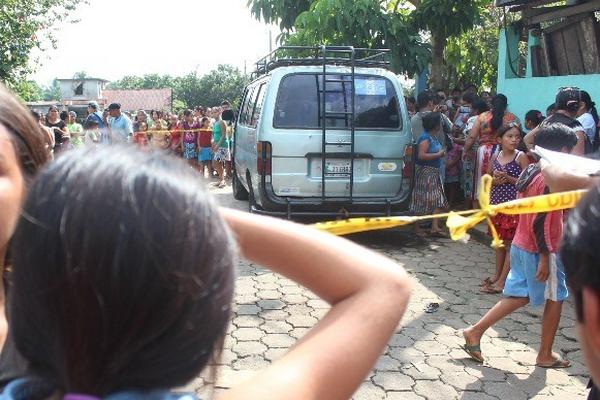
428	194
505	167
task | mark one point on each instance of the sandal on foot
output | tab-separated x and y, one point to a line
487	281
490	290
560	363
439	234
471	349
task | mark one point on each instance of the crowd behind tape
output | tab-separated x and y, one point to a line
460	222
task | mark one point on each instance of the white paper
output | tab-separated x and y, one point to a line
569	162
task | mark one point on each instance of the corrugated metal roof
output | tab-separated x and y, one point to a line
145	99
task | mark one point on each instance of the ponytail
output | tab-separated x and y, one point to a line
499	105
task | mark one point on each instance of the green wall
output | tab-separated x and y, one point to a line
529	93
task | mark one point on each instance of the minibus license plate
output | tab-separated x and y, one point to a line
337	167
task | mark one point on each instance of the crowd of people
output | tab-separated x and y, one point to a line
200	136
461	140
118	268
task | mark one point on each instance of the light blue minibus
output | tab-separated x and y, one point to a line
325	134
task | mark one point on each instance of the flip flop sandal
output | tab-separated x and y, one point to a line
471	349
490	290
487	281
439	234
560	363
432	307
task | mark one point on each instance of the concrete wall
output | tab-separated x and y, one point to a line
529	93
91	89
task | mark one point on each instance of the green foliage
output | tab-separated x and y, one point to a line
404	26
283	12
472	57
27	90
448	18
224	83
26	24
52	92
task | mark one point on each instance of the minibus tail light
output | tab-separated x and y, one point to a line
263	159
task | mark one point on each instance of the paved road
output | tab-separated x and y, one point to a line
424	359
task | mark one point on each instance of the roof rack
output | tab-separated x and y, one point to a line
285	56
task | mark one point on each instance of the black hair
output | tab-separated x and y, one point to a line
499	105
455	90
590	105
187	113
535	116
64	115
470	97
480	105
431	121
507	127
411	100
131	281
35	115
579	247
551	107
424	98
555	137
90	124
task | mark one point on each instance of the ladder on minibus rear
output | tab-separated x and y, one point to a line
348	115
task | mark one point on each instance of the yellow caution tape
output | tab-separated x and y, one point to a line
460	222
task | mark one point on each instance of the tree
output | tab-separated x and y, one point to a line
224	83
472	57
52	92
26	24
405	26
28	90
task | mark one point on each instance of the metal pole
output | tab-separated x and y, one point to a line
270	41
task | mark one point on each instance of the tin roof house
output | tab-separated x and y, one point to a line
552	45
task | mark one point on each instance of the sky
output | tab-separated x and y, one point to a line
114	38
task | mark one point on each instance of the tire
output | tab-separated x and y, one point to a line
239	191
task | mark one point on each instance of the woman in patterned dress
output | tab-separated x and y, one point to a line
485	128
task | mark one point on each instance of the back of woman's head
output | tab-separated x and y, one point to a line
479	106
535	117
25	133
499	105
123	273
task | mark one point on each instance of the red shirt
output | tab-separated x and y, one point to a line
175	135
205	137
541	232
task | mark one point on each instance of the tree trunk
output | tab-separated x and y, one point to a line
438	44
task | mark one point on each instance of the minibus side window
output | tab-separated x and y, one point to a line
247	107
258	106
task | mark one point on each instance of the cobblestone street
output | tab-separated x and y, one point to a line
424	359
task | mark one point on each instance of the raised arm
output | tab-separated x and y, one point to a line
368	294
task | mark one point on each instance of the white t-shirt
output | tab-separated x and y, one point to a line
589	125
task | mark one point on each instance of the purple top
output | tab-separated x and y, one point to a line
188	136
505	192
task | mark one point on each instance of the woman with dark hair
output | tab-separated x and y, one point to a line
134	301
22	154
588	118
59	127
484	129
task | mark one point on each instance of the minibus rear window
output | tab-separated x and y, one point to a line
299	103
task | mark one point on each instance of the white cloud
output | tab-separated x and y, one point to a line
114	38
